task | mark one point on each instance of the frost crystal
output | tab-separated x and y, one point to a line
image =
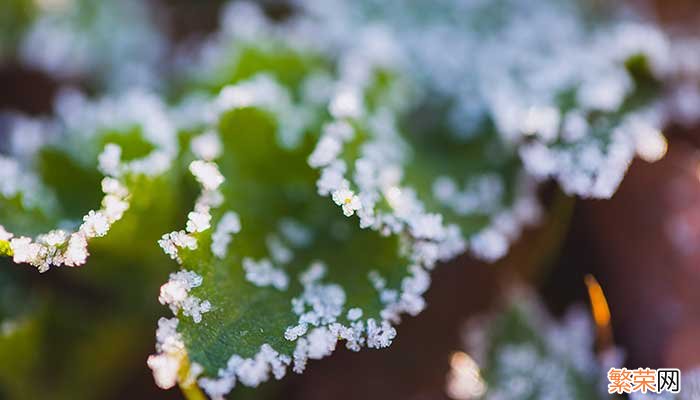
5	235
76	253
198	222
25	251
321	343
109	161
228	225
332	178
207	174
294	332
170	242
489	245
347	200
59	247
170	353
262	273
165	369
95	224
566	349
295	233
175	293
354	314
325	152
279	251
248	371
207	146
346	103
379	336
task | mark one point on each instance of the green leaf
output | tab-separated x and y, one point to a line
412	173
522	335
116	158
271	189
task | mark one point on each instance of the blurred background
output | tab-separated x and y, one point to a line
643	246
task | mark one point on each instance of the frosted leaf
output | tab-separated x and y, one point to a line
506	344
527	98
58	247
99	129
421	194
254	254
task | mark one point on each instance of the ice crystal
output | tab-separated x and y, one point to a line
170	352
347	200
248	371
170	242
228	225
354	314
207	174
175	294
4	234
198	221
206	146
263	273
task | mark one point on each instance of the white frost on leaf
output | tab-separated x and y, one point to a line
59	247
249	371
82	121
566	348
